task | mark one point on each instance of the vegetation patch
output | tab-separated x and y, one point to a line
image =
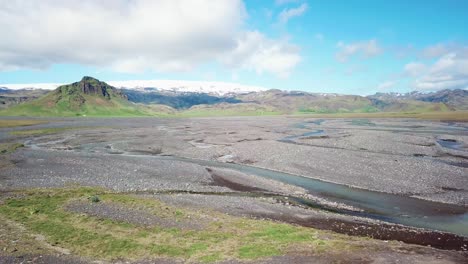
224	237
15	123
6	148
43	131
16	241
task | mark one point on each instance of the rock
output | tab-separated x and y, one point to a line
227	158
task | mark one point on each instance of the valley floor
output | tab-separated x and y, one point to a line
247	189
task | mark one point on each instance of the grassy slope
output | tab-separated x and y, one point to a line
224	237
65	104
69	100
295	102
416	106
241	109
94	106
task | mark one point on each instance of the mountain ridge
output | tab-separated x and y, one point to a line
89	96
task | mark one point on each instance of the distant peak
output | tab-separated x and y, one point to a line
91	86
89	79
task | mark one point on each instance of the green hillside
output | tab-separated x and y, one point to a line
302	102
91	97
88	97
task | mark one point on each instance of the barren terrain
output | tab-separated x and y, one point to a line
387	179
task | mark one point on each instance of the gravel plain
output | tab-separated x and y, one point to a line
388	155
399	156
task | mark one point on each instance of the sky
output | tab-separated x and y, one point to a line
333	46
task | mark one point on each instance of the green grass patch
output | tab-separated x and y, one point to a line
41	211
258	251
45	131
15	123
211	258
6	148
77	104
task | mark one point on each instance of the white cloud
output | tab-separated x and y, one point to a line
435	51
368	48
17	86
289	13
414	69
402	51
441	49
448	72
127	36
254	51
386	85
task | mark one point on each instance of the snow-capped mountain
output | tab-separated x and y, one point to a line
214	88
31	86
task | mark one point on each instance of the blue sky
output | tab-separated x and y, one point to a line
351	47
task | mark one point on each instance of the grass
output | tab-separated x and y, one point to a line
324	110
71	104
13	235
6	148
43	131
223	237
142	111
15	123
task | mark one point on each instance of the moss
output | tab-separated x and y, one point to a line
44	131
211	258
6	148
224	237
283	233
16	123
258	251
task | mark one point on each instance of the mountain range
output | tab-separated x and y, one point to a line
88	97
9	97
91	97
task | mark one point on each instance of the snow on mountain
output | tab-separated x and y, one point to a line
218	88
31	86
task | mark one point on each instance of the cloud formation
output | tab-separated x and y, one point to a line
386	85
133	36
367	49
414	69
435	51
289	13
254	51
449	72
